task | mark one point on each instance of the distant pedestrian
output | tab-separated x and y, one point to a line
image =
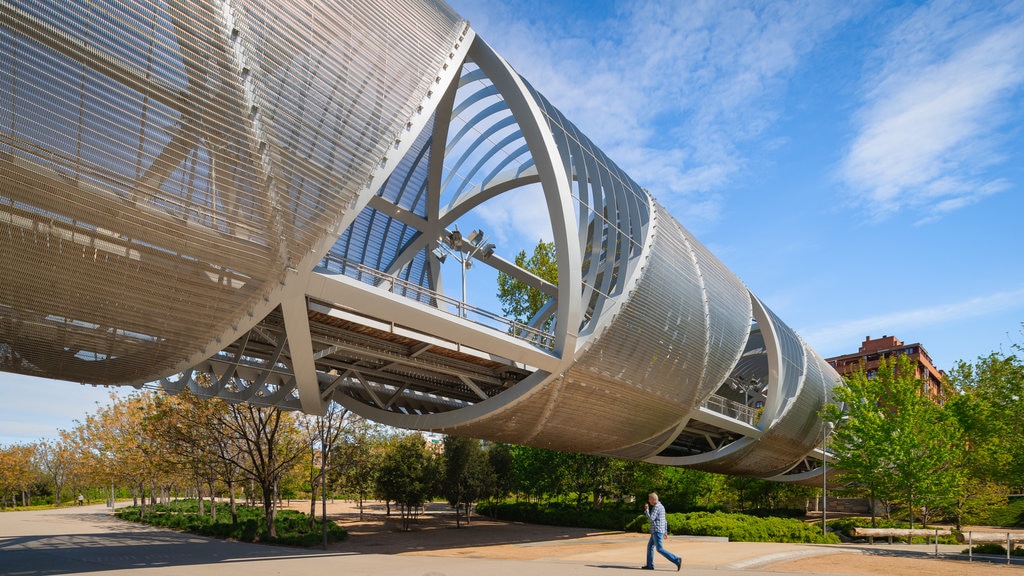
81	500
659	529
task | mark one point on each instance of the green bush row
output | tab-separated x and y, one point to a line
736	527
611	517
993	548
292	526
740	527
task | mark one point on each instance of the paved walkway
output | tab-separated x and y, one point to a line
88	540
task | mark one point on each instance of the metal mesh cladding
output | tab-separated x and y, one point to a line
650	367
162	164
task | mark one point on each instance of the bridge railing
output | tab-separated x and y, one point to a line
438	300
731	408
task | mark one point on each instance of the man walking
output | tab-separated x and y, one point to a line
659	528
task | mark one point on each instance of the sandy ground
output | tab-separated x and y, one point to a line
435	533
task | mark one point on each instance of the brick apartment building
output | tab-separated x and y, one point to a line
871	353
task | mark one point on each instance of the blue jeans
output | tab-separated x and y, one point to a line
655	542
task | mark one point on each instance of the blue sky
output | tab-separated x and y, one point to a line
858	165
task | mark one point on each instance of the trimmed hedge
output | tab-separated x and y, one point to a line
611	517
292	526
740	528
993	548
736	527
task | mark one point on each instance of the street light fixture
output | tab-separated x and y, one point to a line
463	249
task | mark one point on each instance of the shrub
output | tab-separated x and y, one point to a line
993	548
292	526
740	527
611	517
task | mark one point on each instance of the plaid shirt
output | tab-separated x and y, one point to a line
656	514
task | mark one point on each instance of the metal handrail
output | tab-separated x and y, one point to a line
402	287
730	408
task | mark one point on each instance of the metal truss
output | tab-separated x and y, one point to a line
254	200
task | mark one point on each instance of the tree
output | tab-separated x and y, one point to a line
500	459
405	475
327	432
17	473
991	407
467	474
893	442
269	444
989	410
589	477
355	462
686	489
57	459
189	428
538	472
117	447
519	301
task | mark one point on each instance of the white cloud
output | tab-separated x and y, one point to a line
839	336
929	124
516	220
668	90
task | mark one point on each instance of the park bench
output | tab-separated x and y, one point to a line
907	533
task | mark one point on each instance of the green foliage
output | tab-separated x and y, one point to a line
993	548
292	527
682	489
755	495
407	474
740	527
1010	515
467	472
991	407
519	301
610	517
893	442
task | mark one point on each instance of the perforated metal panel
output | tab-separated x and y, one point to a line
162	165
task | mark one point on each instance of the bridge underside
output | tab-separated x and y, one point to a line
261	201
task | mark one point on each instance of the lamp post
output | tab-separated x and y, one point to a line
825	425
824	477
463	249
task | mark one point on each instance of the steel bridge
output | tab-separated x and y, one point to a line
254	199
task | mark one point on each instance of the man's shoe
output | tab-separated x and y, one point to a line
679	564
647	567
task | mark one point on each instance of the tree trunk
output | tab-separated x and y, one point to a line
231	497
323	509
140	492
268	507
312	505
199	497
213	503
